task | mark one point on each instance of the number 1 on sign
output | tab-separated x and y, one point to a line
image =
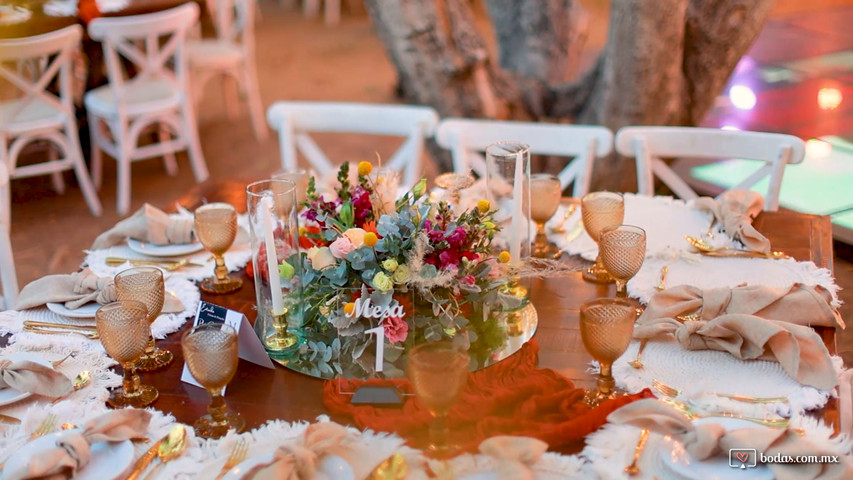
380	346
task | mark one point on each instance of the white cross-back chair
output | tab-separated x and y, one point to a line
467	139
38	113
156	96
649	144
294	120
7	262
231	55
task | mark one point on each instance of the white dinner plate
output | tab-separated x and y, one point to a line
173	250
676	459
10	395
109	460
331	467
86	311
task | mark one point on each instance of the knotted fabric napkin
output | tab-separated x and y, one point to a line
514	456
845	402
299	461
32	377
74	290
149	224
800	304
512	397
735	209
798	349
72	450
709	439
78	289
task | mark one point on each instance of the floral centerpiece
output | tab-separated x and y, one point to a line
418	269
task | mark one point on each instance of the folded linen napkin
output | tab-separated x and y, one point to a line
78	289
845	402
734	210
709	439
514	456
149	224
32	377
801	304
798	349
300	460
72	451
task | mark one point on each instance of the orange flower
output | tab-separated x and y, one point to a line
349	308
371	227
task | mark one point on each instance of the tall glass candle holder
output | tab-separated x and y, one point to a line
277	264
508	187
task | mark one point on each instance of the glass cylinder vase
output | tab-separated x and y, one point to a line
272	207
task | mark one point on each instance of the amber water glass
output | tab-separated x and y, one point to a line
216	228
123	330
210	351
607	325
145	285
623	250
454	183
600	210
545	194
438	372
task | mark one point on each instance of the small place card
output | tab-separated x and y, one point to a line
248	344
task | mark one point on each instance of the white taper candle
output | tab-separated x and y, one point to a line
272	259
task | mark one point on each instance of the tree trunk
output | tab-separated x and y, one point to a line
664	63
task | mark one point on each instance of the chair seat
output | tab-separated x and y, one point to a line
37	114
214	53
145	96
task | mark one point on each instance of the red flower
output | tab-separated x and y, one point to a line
396	329
311	237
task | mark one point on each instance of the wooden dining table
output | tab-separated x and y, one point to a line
260	394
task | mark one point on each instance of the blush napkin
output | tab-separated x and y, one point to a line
709	439
734	210
149	224
33	377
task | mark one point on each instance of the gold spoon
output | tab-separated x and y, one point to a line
173	446
569	211
707	249
636	363
83	379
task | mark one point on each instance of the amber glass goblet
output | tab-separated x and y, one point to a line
623	249
123	330
210	351
545	194
438	372
216	228
145	285
454	183
600	210
606	328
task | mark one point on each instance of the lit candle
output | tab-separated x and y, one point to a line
272	259
517	214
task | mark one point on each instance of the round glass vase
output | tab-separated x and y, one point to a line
276	261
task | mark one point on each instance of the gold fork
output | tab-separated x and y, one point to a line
89	335
46	426
238	454
692	415
57	363
674	392
662	283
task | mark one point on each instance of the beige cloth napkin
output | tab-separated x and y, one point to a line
149	224
845	402
78	289
800	304
72	451
32	377
798	349
514	456
710	439
735	209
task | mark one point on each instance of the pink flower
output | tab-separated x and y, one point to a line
341	247
468	280
396	329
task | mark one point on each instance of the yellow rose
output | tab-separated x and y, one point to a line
402	274
321	258
390	264
483	206
364	168
504	257
370	239
382	282
356	236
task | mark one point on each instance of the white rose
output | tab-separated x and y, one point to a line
321	258
356	236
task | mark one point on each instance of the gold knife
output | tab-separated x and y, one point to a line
9	420
33	323
145	460
112	261
575	232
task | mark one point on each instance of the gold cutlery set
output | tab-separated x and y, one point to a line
50	328
168	265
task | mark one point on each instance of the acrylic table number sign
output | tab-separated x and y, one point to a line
248	344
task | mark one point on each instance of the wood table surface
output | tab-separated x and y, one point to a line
260	394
